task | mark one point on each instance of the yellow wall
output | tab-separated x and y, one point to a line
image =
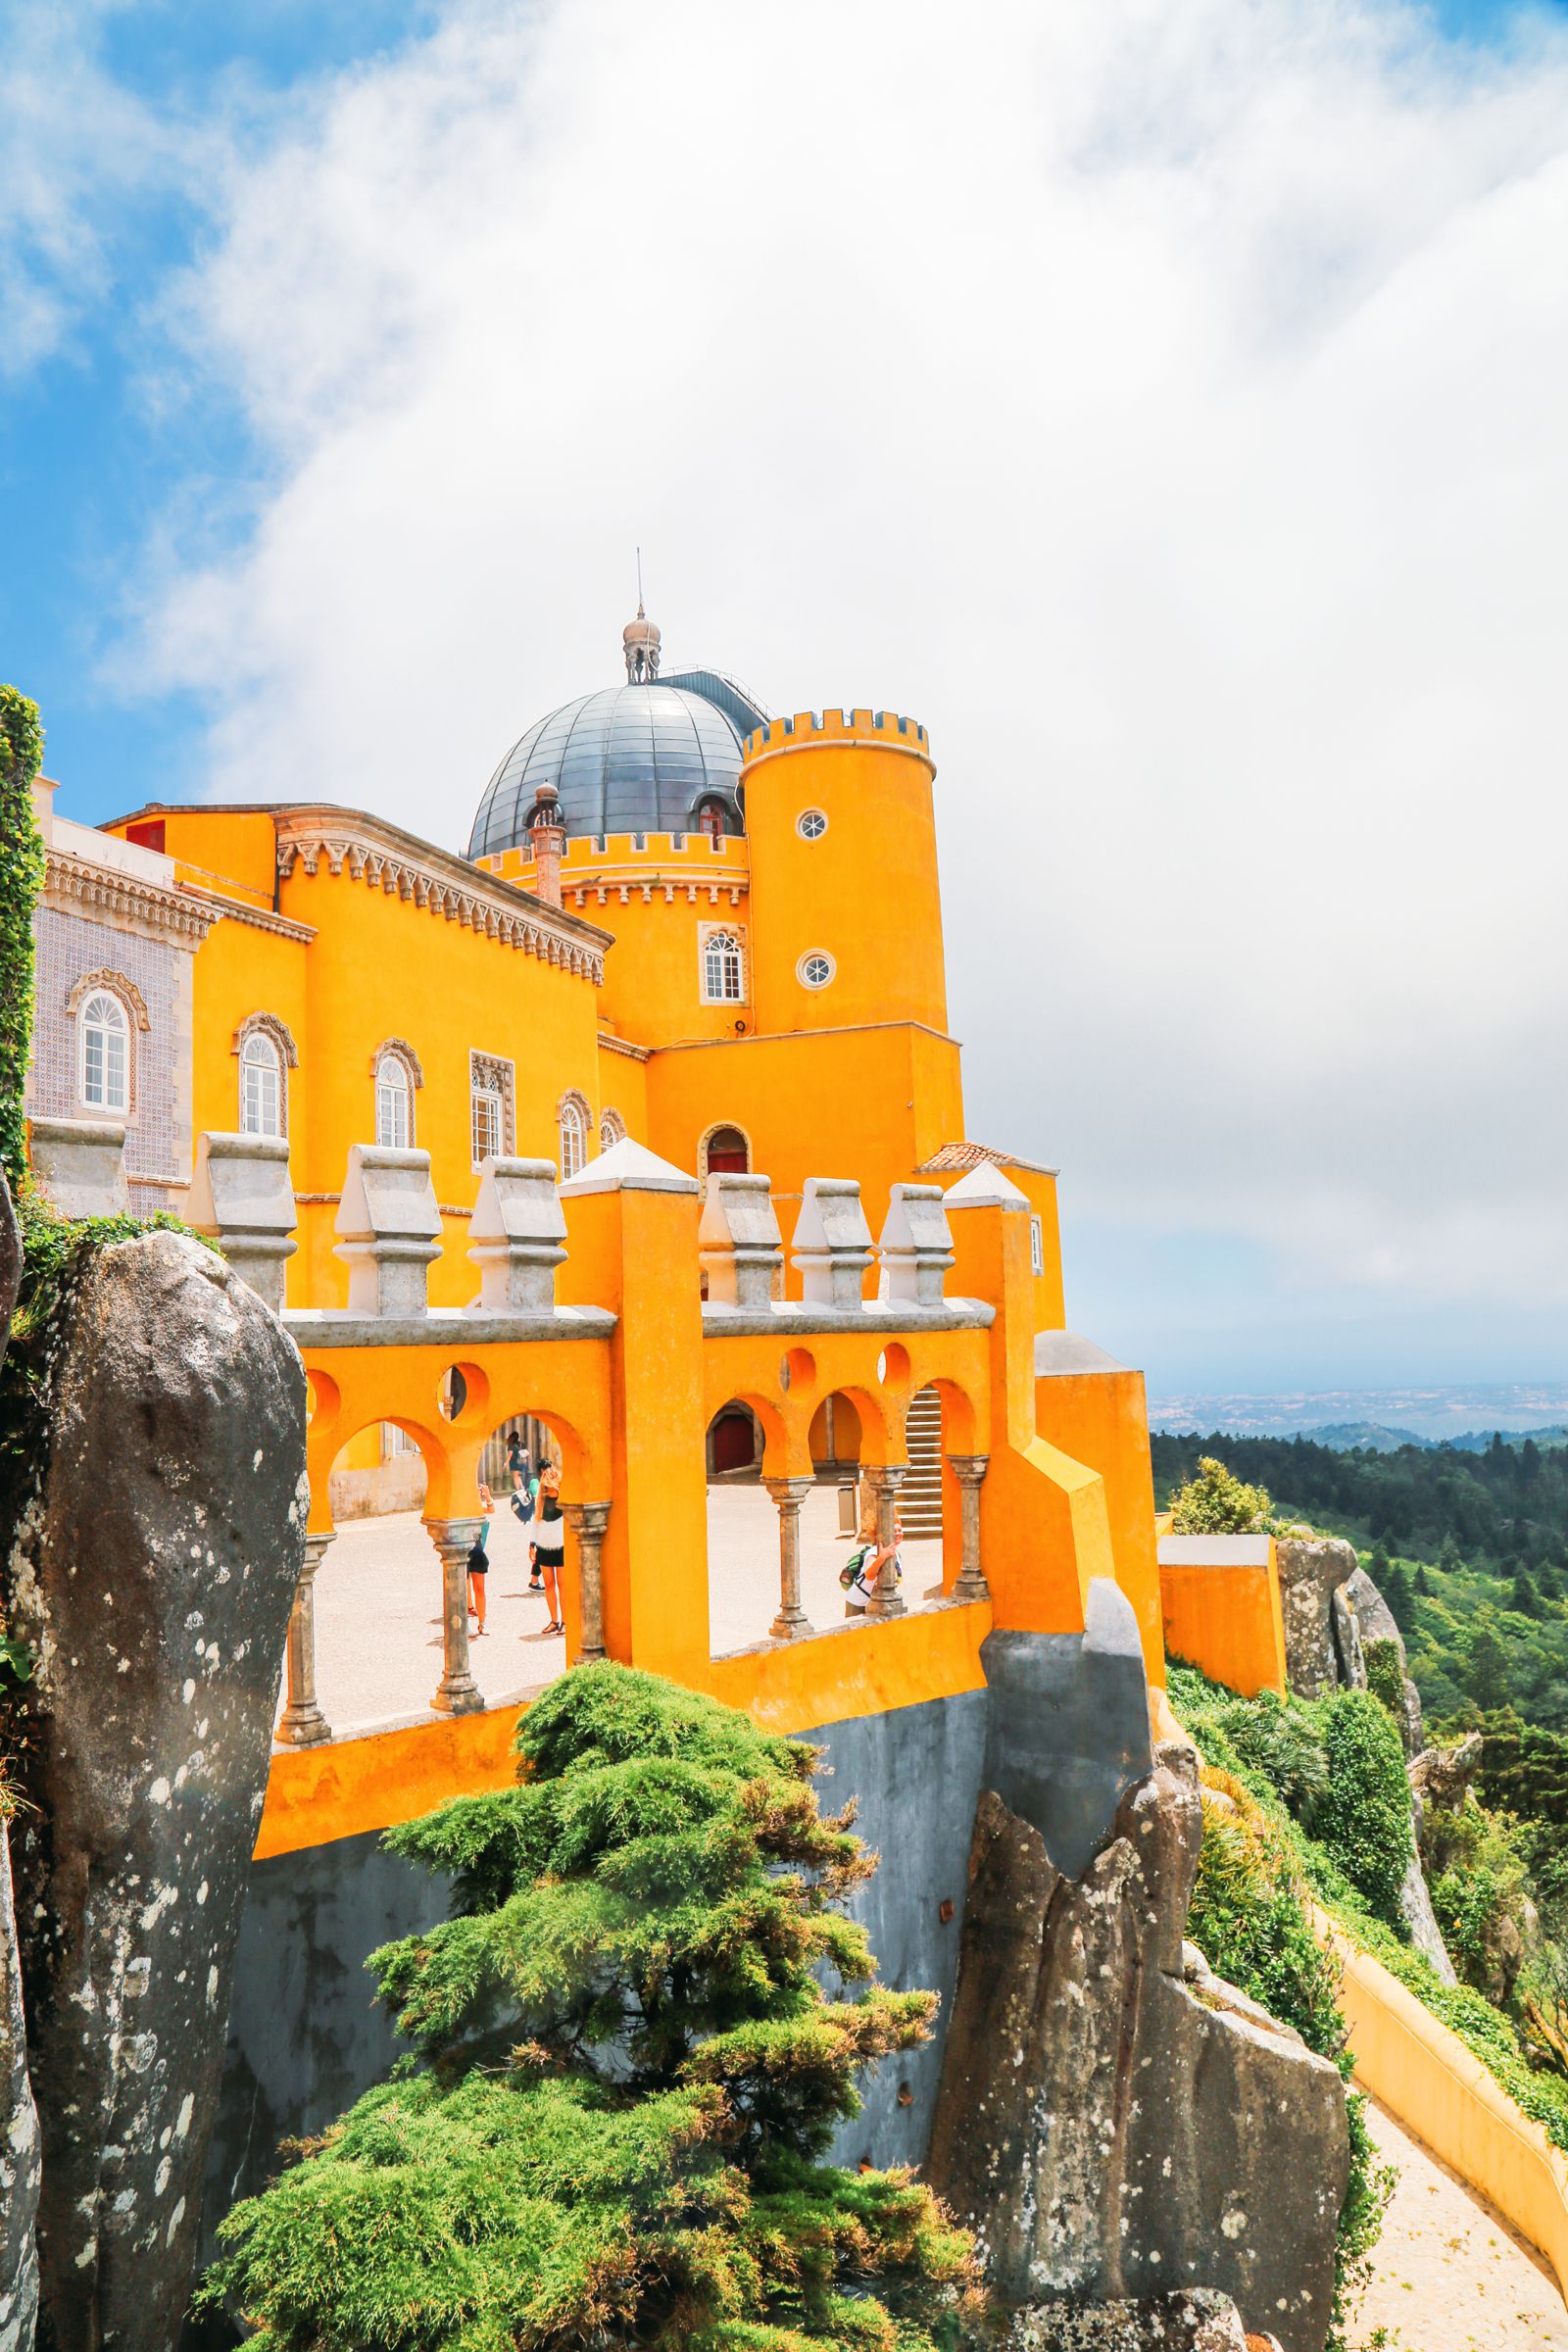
658	901
230	850
866	891
856	1103
623	1087
1101	1417
1227	1620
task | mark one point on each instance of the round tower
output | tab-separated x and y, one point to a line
846	908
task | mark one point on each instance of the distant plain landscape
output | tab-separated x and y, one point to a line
1381	1417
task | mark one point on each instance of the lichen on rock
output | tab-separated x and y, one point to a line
1109	2125
151	1567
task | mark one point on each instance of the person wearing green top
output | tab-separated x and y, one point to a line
479	1561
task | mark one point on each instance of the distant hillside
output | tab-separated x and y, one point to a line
1344	1436
1464	1418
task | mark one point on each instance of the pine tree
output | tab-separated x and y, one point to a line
630	2073
1524	1596
1423	1581
1396	1588
1449	1556
1489	1671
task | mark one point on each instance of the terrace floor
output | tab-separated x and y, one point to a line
379	1603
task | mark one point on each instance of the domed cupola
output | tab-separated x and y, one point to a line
655	755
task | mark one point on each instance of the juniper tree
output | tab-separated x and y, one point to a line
634	2038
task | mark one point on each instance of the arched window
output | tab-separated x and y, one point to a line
261	1084
724	1151
612	1130
573	1127
394	1103
710	820
105	1054
723	973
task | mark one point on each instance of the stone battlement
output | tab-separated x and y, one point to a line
806	728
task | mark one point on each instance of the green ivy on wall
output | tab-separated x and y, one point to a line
21	869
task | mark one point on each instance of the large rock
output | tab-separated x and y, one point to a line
1311	1569
153	1572
1415	1909
1108	2129
1193	2320
19	2169
1375	1620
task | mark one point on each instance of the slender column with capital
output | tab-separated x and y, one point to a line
885	1480
302	1724
969	1469
789	1494
588	1522
457	1693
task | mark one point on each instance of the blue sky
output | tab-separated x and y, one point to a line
234	314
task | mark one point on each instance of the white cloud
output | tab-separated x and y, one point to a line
1165	405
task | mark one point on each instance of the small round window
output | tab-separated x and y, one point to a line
816	969
810	824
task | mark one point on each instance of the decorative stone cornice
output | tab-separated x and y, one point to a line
389	860
623	1044
260	919
107	893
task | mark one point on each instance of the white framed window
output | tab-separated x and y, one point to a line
723	967
1037	1246
491	1084
105	1054
815	969
394	1103
612	1130
261	1085
811	824
572	1127
489	1112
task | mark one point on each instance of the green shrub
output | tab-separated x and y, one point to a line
1216	1503
22	872
629	2068
1364	1817
1385	1675
1278	1739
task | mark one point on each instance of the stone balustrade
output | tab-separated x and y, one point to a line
391	1229
739	1245
516	1237
242	1196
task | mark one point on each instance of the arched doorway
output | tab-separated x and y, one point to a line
725	1153
734	1444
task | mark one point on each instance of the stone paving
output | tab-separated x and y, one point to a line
379	1603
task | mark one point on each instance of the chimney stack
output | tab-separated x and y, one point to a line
549	837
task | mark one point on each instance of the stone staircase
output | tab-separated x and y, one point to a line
920	1495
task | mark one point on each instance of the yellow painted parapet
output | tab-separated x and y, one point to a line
1220	1602
1423	2074
884	727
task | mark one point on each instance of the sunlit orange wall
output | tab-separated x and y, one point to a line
1100	1419
1226	1620
856	1103
866	891
659	902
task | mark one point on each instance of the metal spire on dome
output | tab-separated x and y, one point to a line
640	639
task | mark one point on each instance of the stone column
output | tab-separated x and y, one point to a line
884	1481
302	1724
789	1494
457	1693
588	1522
969	1469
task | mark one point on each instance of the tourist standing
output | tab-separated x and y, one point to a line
479	1559
547	1551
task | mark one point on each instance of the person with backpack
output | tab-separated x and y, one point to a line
547	1551
479	1561
866	1563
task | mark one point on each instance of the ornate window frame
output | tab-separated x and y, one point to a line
722	1127
106	982
494	1076
398	1049
611	1128
268	1025
816	969
573	1114
717	944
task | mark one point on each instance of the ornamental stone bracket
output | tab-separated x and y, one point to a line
740	1247
241	1196
391	1229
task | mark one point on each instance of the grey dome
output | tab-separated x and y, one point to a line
627	759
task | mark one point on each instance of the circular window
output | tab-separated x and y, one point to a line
810	824
816	969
